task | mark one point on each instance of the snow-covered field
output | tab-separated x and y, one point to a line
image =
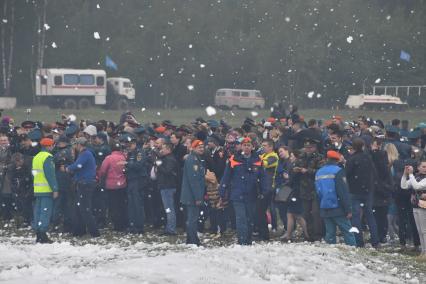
129	260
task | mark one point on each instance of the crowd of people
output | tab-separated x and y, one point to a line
363	177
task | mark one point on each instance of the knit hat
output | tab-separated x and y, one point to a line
196	143
46	142
90	130
246	140
333	155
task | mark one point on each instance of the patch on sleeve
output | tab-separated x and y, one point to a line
139	157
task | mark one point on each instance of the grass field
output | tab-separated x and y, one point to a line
182	116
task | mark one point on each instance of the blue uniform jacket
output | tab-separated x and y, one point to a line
137	166
343	197
193	180
241	178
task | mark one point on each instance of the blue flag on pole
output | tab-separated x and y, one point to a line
405	56
110	64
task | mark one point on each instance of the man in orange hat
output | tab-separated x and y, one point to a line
45	189
334	199
193	189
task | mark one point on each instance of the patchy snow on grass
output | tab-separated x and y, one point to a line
23	261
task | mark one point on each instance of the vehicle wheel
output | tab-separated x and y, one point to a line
70	104
53	104
84	103
122	104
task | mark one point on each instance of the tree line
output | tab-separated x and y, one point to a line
178	52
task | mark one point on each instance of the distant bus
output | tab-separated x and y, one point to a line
239	98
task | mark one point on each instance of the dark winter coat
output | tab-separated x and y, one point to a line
383	180
216	162
167	172
360	173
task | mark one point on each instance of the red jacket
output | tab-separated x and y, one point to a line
111	174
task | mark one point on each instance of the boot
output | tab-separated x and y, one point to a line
45	239
38	238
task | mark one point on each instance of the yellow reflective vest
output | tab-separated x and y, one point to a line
41	185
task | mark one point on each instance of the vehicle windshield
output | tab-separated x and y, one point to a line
127	84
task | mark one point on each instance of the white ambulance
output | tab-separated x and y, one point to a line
239	98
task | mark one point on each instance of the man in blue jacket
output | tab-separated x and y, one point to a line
334	199
240	184
193	189
84	170
45	189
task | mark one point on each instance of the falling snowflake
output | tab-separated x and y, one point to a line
98	6
202	66
79	166
168	210
158	113
287	19
190	87
46	27
294	199
54	45
378	80
254	113
354	230
4	21
319	95
141	26
388	17
190	46
311	94
233	114
210	111
349	39
96	35
107	39
143	109
34	144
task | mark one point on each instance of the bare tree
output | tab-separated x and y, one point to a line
38	48
7	44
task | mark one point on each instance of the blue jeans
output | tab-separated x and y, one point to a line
344	226
135	206
244	217
192	213
364	203
43	208
168	198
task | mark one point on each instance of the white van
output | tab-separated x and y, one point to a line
238	98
